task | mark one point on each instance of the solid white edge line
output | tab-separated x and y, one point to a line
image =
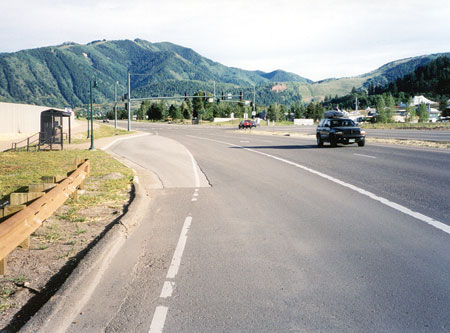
124	138
437	224
159	319
178	254
194	166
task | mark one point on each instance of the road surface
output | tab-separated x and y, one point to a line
404	134
281	236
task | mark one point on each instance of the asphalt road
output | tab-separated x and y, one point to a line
425	135
289	237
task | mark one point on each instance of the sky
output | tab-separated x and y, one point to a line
316	39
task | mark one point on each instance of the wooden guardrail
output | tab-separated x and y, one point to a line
16	230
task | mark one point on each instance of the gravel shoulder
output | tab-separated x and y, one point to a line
34	275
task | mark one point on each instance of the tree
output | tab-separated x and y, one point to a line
296	109
185	110
381	110
409	115
301	112
423	113
142	111
443	106
273	112
157	111
390	108
198	105
154	112
310	111
283	112
319	111
174	112
164	110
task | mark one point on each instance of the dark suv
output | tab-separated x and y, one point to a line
339	130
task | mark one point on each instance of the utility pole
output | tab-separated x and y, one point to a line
129	106
254	98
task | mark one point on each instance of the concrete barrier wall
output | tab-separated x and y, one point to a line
24	118
221	120
304	122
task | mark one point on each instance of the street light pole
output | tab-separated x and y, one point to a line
129	106
87	118
254	98
92	113
115	104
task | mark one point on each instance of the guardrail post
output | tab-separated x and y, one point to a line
28	144
74	195
26	243
3	266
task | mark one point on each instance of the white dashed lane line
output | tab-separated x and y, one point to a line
362	155
159	317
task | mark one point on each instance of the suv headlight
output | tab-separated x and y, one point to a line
338	133
363	132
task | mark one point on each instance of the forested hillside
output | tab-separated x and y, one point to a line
431	80
59	75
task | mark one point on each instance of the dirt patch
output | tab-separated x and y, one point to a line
35	274
279	88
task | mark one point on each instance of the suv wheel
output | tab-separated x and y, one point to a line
361	143
319	141
333	142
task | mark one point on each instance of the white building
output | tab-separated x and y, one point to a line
417	100
23	118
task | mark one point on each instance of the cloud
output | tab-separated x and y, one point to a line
316	39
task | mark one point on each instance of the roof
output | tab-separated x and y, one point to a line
59	112
421	99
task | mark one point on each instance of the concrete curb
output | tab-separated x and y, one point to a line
57	314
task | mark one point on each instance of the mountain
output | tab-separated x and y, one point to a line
432	79
59	75
282	76
398	69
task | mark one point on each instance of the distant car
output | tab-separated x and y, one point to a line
339	130
105	120
247	123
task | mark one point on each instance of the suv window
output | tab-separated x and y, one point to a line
342	123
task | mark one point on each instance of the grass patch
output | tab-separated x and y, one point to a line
262	123
19	279
100	131
416	126
19	169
